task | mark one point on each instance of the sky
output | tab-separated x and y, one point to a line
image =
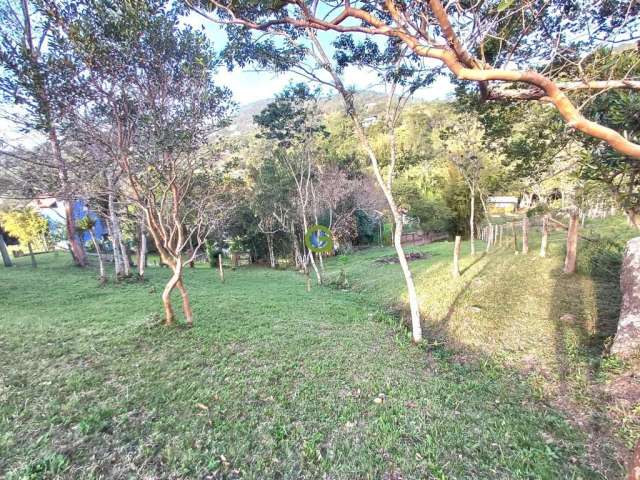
247	85
250	86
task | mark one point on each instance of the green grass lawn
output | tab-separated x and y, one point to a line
275	382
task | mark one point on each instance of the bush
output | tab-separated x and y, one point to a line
601	258
213	250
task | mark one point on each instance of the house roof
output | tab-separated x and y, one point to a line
45	202
505	199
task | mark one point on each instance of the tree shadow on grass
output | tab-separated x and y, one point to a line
468	267
583	314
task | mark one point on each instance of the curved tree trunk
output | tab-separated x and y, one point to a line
416	325
186	305
169	315
414	305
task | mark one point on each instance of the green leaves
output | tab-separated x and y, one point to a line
26	224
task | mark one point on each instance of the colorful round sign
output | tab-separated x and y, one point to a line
319	240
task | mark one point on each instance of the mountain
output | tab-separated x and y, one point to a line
368	102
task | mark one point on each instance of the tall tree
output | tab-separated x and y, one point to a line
152	81
42	79
292	122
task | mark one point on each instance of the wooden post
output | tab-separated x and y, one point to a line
489	237
33	257
501	230
525	235
572	243
515	238
545	236
456	257
6	259
220	267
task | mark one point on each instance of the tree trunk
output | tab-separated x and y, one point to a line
186	305
272	257
471	222
192	263
634	465
103	277
142	251
525	235
126	259
6	258
632	219
114	228
572	243
414	305
456	256
75	246
315	267
347	97
297	256
627	340
169	316
33	257
545	236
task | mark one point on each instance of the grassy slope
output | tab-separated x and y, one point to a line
524	313
274	382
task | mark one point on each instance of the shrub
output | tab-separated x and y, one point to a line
601	258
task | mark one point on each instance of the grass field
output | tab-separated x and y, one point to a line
275	382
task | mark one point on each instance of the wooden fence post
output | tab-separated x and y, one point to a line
572	243
545	236
6	259
515	238
489	237
525	235
456	256
220	267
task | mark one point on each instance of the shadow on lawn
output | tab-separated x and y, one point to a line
442	324
581	332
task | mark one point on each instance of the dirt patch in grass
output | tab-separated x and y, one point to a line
390	259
